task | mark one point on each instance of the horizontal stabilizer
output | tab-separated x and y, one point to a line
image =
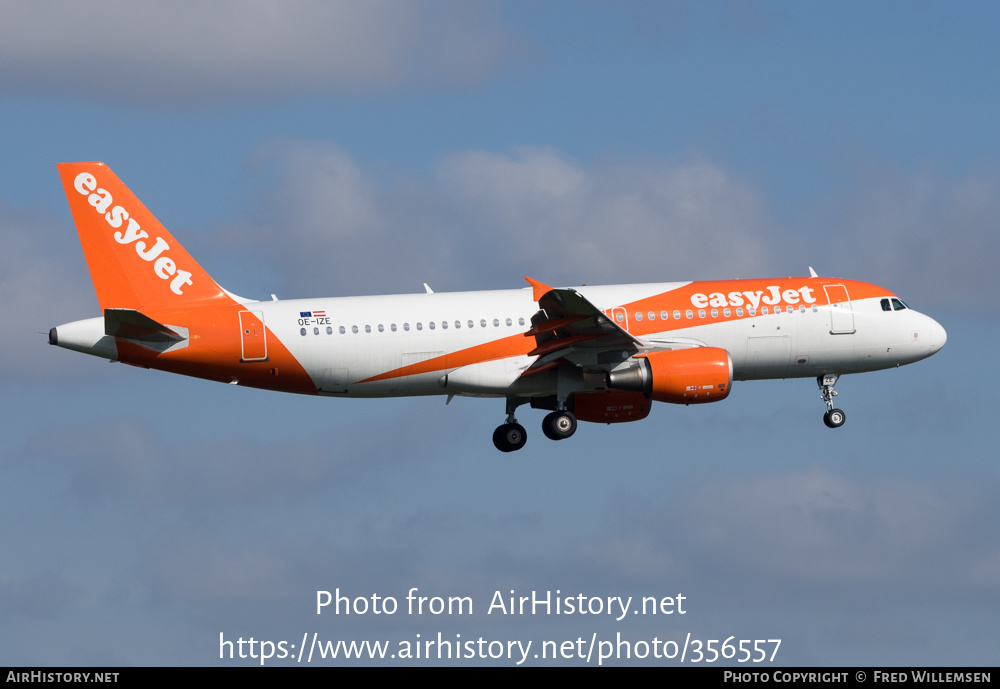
132	325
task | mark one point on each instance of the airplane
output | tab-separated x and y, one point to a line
601	354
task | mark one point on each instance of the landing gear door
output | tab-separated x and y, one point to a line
841	313
253	336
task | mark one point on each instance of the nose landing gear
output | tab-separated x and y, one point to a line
833	418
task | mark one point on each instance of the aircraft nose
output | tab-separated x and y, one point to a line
938	336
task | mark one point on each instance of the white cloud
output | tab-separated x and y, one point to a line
932	240
127	462
44	283
801	528
183	52
485	219
629	222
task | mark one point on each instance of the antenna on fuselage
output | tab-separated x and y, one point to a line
428	288
812	273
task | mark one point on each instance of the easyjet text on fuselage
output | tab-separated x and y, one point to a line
770	295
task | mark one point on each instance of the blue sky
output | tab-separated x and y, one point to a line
324	149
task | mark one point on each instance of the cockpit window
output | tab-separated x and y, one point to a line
892	304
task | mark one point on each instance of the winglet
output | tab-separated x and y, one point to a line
539	289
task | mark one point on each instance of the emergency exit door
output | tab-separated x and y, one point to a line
253	336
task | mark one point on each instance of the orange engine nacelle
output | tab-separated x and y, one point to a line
614	406
679	376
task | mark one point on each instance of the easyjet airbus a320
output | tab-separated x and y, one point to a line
599	354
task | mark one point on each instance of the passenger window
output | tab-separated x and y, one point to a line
715	313
381	328
406	327
677	315
701	313
392	327
664	315
329	330
315	331
368	328
509	322
444	325
739	310
619	317
471	324
429	325
763	310
496	322
520	321
482	323
690	313
420	326
458	324
638	315
343	330
727	313
354	329
302	331
652	316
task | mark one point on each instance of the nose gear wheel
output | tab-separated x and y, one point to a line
833	418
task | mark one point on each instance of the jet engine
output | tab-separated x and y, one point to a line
679	376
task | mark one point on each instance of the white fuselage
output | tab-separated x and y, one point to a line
358	338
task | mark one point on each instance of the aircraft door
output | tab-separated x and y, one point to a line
620	316
253	336
841	312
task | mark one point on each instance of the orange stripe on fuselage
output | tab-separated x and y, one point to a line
214	349
513	345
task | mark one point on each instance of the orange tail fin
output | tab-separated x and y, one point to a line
134	261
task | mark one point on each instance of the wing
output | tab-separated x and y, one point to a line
569	328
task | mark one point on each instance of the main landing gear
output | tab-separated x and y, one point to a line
559	425
511	436
833	418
